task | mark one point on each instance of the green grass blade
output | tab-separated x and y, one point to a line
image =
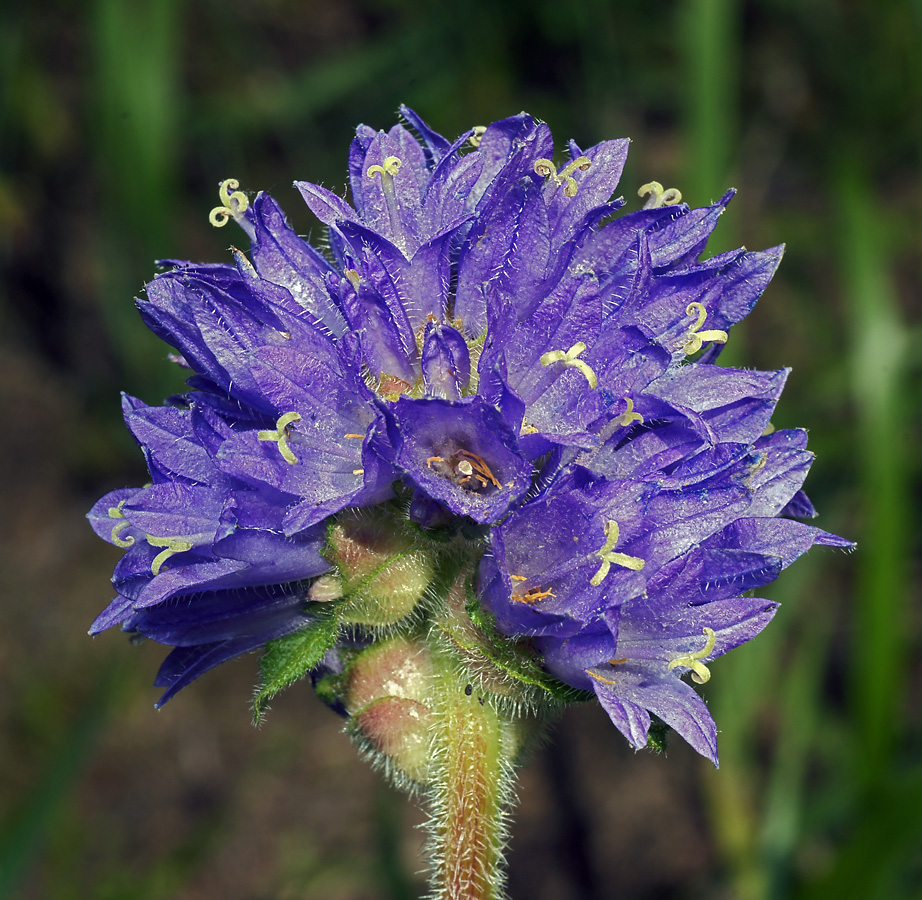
21	840
887	836
710	35
135	51
879	378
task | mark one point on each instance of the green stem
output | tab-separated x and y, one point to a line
471	788
444	719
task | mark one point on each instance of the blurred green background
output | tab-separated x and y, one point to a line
118	118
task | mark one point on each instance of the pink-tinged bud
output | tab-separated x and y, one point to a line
399	729
384	569
388	689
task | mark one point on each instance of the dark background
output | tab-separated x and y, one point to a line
117	121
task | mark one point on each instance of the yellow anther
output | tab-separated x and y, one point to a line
479	465
532	596
477	136
609	558
280	436
546	169
629	416
170	545
695	337
115	512
570	361
700	672
390	168
234	203
361	437
602	678
519	577
659	196
242	262
353	276
358	471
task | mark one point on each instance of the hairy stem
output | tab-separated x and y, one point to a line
470	791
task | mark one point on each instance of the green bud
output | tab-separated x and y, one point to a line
384	568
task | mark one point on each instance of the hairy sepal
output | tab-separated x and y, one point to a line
289	659
533	686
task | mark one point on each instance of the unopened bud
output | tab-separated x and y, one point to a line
383	567
388	689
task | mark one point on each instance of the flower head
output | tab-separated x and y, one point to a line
488	366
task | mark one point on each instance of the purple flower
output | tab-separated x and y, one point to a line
487	354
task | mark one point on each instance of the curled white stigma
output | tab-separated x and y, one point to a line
629	416
390	168
659	196
695	337
280	436
170	546
477	136
234	203
700	673
570	361
609	558
115	512
546	169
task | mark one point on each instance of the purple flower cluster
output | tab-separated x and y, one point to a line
488	344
